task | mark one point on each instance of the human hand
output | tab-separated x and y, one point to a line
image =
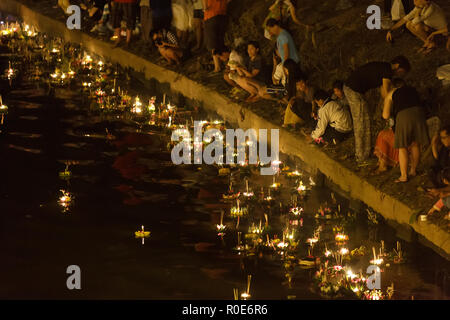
432	210
389	37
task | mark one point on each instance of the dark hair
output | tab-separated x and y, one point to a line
221	51
445	128
402	62
272	22
445	174
338	84
321	95
294	75
398	82
254	43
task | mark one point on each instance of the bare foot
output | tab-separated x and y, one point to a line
401	180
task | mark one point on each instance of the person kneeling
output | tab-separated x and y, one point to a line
167	44
334	122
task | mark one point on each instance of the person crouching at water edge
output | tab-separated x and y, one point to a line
168	46
334	122
209	147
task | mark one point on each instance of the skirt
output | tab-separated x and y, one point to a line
384	147
410	126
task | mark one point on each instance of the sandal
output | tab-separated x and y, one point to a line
400	181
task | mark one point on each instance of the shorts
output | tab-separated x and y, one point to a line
199	14
124	11
215	32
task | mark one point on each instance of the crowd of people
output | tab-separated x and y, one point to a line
326	117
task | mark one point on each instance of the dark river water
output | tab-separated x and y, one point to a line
123	182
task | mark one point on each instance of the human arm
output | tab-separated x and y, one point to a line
401	22
322	123
386	87
387	108
273	6
286	51
435	144
433	34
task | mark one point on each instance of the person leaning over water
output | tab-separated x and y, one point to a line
410	131
372	75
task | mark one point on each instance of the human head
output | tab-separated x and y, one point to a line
444	135
446	175
253	49
398	83
155	34
320	96
338	89
400	66
223	54
273	26
421	3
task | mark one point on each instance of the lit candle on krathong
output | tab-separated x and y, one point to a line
301	187
246	295
239	247
247	194
376	260
142	234
221	227
137	105
65	200
275	185
296	211
340	237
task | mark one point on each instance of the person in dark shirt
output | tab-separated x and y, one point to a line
440	146
251	76
369	76
410	130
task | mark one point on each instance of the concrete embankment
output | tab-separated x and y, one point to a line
291	144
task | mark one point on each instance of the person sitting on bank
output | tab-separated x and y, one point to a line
304	111
233	61
444	200
425	21
334	123
440	146
167	44
251	76
410	127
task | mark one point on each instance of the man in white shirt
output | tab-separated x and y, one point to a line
425	21
334	122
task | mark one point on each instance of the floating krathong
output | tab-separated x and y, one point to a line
221	227
340	237
296	211
246	295
65	200
142	233
237	211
